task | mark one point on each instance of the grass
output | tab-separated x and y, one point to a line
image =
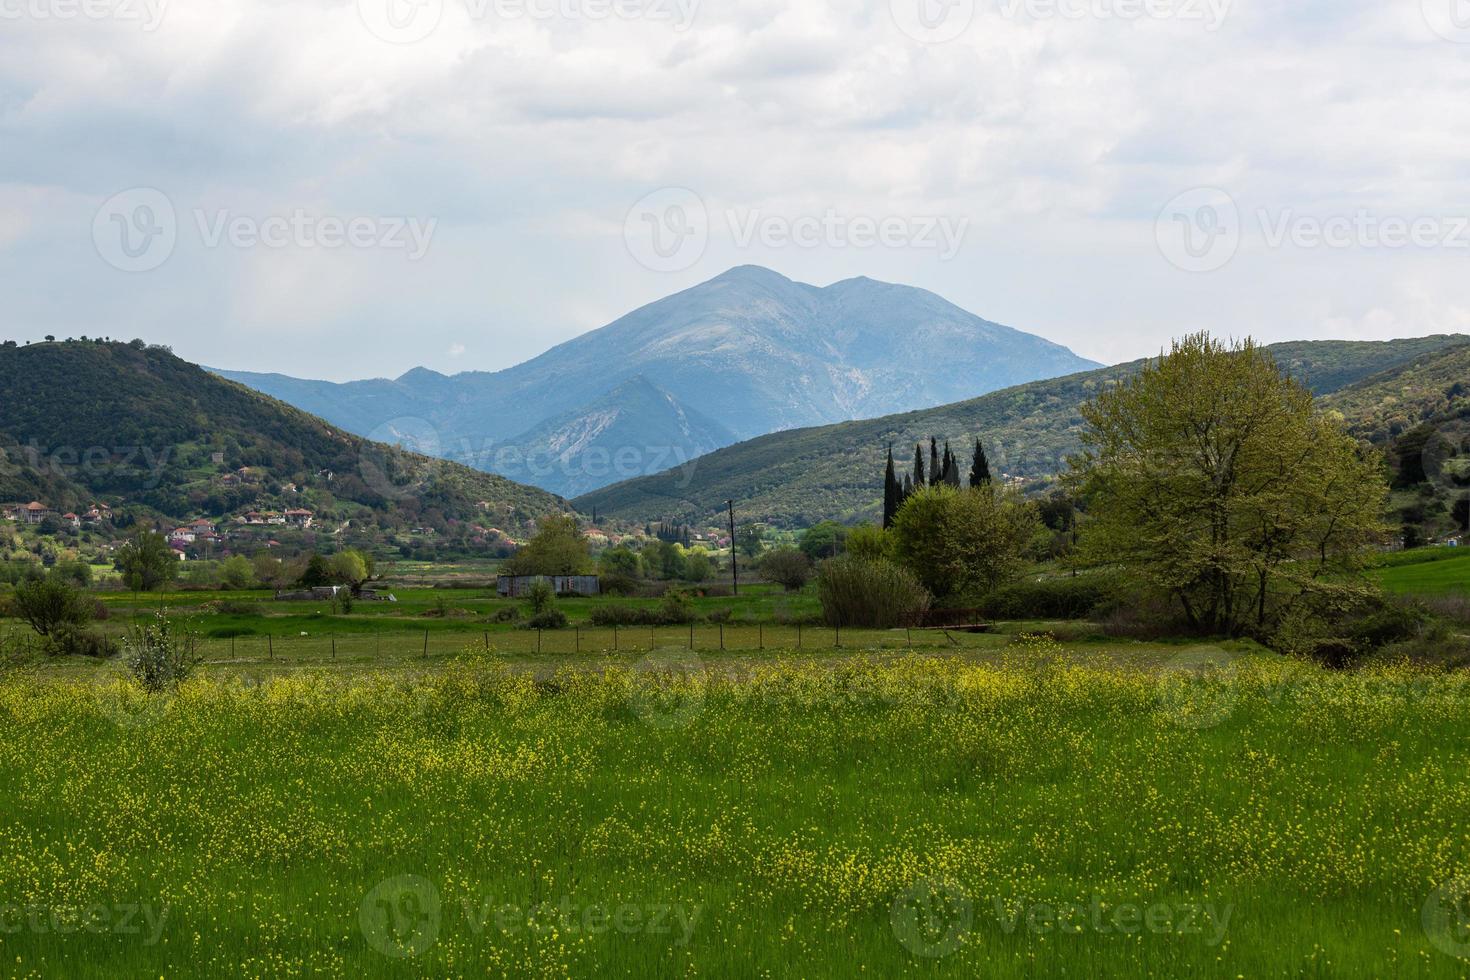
836	818
1426	571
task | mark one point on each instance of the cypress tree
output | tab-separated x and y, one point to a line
919	465
980	468
891	491
935	473
951	467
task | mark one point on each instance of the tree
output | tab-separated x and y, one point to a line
620	561
892	490
352	568
316	574
979	468
788	567
962	542
557	548
665	559
1211	476
146	561
825	539
50	605
951	468
237	573
869	543
271	572
919	480
936	475
749	540
697	566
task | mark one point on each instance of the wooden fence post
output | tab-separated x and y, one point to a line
270	645
426	644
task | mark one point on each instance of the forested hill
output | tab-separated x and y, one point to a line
799	477
83	421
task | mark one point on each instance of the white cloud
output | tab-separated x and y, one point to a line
529	138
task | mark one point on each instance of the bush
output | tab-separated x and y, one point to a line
541	596
788	567
677	609
1053	598
73	641
872	594
550	619
624	616
160	656
619	583
962	542
51	604
506	614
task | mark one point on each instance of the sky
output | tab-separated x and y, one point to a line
351	188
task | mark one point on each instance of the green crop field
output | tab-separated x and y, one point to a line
1032	816
1428	571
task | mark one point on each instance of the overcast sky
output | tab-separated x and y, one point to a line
349	189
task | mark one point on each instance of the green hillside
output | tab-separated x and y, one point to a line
135	426
799	477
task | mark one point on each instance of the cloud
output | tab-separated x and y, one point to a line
528	138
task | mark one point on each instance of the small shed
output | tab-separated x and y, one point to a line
516	586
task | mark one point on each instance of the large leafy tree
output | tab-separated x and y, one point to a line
558	548
146	561
1211	475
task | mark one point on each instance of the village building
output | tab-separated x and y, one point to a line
299	518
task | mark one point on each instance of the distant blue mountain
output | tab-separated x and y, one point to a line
747	353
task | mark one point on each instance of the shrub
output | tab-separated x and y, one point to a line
506	614
697	566
619	583
676	609
623	616
73	641
50	604
541	597
160	656
1053	598
872	594
962	542
788	567
550	619
869	542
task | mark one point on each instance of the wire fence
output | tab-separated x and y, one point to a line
397	645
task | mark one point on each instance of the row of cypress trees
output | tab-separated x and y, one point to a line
941	470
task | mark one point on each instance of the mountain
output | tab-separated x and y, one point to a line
794	479
636	429
751	351
136	426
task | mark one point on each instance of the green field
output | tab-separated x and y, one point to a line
1427	571
1026	817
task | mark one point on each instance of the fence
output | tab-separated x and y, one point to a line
571	642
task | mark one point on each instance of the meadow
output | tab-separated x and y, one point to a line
1225	813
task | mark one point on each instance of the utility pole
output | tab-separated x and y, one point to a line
734	561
